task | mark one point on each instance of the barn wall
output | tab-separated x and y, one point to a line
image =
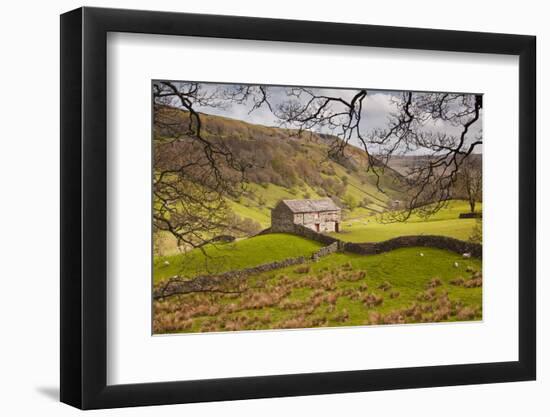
326	221
282	219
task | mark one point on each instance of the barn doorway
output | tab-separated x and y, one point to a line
336	227
317	227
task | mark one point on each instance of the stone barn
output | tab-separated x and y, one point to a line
318	215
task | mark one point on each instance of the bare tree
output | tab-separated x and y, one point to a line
194	171
411	129
470	181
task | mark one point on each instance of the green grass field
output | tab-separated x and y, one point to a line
340	290
444	223
230	256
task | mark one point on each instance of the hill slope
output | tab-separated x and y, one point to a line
284	165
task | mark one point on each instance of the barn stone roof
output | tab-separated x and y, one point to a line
308	206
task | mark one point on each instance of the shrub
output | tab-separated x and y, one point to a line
328	283
318	322
244	226
371	300
477	233
350	201
444	302
346	267
304	269
332	298
465	313
441	314
428	295
415	312
342	317
473	283
293	323
353	276
434	282
365	202
375	317
394	317
457	281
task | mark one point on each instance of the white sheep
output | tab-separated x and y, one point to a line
456	264
421	254
467	255
166	263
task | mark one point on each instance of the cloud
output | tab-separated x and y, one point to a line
376	111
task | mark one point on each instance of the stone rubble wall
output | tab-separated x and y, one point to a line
476	215
231	279
219	282
326	250
440	242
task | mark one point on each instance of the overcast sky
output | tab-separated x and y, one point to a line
377	108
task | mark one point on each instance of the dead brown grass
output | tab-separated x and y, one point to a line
371	300
433	283
331	298
466	313
346	267
304	269
459	281
428	295
208	312
342	317
475	281
385	286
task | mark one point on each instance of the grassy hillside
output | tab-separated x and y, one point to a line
229	256
376	232
340	290
285	165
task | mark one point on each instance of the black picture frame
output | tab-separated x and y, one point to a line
84	207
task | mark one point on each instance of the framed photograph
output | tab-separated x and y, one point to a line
259	208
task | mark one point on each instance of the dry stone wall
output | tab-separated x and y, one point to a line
440	242
204	283
327	250
219	282
476	215
178	285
